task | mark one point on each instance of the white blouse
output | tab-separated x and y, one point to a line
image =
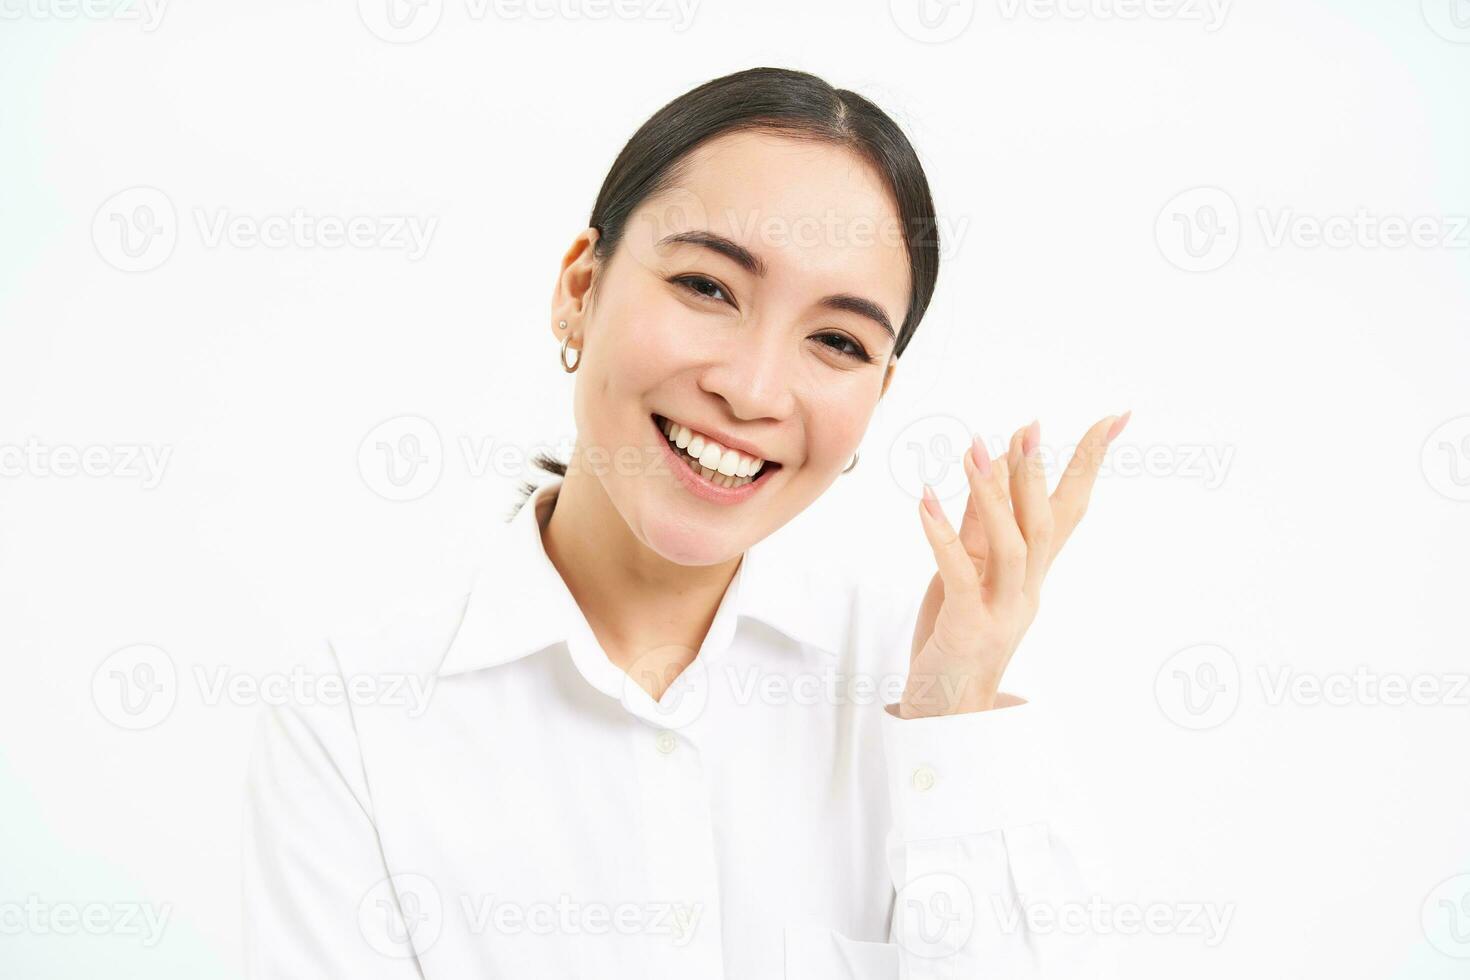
491	797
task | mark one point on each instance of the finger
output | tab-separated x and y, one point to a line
1033	509
972	529
956	569
972	533
1005	564
1069	502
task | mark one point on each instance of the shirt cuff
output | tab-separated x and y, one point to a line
967	773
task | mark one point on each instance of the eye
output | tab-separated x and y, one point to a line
701	285
846	346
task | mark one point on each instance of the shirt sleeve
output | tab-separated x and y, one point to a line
317	898
984	885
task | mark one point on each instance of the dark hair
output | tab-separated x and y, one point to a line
790	103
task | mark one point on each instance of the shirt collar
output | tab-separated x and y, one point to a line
519	604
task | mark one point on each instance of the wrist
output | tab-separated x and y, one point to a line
927	698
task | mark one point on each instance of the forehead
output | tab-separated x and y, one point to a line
807	207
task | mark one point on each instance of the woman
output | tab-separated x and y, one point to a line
646	747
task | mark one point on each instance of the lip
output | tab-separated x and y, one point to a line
698	485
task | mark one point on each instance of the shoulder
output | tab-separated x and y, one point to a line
405	638
334	674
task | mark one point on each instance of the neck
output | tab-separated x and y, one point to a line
650	615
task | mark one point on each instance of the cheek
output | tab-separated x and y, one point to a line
836	423
652	340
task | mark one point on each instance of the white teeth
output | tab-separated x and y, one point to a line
721	466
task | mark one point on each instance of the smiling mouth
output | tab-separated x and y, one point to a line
717	465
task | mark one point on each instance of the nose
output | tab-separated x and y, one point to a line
754	374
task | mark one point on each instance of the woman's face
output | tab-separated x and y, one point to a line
747	303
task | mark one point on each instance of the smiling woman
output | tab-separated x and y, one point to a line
759	256
615	727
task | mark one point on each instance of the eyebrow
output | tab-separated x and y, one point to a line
752	263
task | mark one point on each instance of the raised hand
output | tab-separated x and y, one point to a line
987	590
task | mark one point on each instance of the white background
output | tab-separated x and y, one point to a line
1301	408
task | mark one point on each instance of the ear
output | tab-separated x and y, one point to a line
569	297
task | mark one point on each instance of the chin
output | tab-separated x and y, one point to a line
690	544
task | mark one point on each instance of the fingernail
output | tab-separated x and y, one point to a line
980	456
1117	426
1032	438
931	502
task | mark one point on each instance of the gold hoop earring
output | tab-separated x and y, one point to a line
852	464
569	368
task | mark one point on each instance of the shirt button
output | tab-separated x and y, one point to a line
923	778
666	742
